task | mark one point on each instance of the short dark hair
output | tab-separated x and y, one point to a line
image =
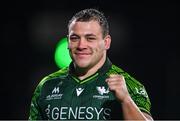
92	14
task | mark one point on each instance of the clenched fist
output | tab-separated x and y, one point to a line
117	84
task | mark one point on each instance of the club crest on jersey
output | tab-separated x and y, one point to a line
102	91
55	94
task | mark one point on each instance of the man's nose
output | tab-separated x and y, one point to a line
82	44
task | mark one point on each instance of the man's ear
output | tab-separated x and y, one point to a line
107	41
68	40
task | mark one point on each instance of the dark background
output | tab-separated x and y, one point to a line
144	44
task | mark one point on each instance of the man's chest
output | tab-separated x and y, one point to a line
78	101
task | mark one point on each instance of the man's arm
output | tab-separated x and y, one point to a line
131	111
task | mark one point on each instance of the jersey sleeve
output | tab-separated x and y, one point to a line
138	94
35	112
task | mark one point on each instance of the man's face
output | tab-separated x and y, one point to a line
86	43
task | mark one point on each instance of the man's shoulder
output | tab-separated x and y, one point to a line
128	78
114	70
62	73
58	74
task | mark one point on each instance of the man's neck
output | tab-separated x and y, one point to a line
83	73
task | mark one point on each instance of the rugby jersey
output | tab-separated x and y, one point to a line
62	96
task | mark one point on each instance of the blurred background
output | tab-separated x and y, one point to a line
144	44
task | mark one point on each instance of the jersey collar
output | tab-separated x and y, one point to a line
106	66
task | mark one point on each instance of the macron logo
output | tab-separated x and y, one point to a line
79	91
55	90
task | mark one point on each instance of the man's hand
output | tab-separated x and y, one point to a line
117	84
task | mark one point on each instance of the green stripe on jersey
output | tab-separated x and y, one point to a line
85	80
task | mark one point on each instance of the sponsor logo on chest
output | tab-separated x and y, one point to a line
55	94
86	113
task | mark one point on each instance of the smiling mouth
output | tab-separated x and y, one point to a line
82	55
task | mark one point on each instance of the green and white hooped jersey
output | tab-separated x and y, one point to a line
62	96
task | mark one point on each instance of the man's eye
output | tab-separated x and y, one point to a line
74	38
91	38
